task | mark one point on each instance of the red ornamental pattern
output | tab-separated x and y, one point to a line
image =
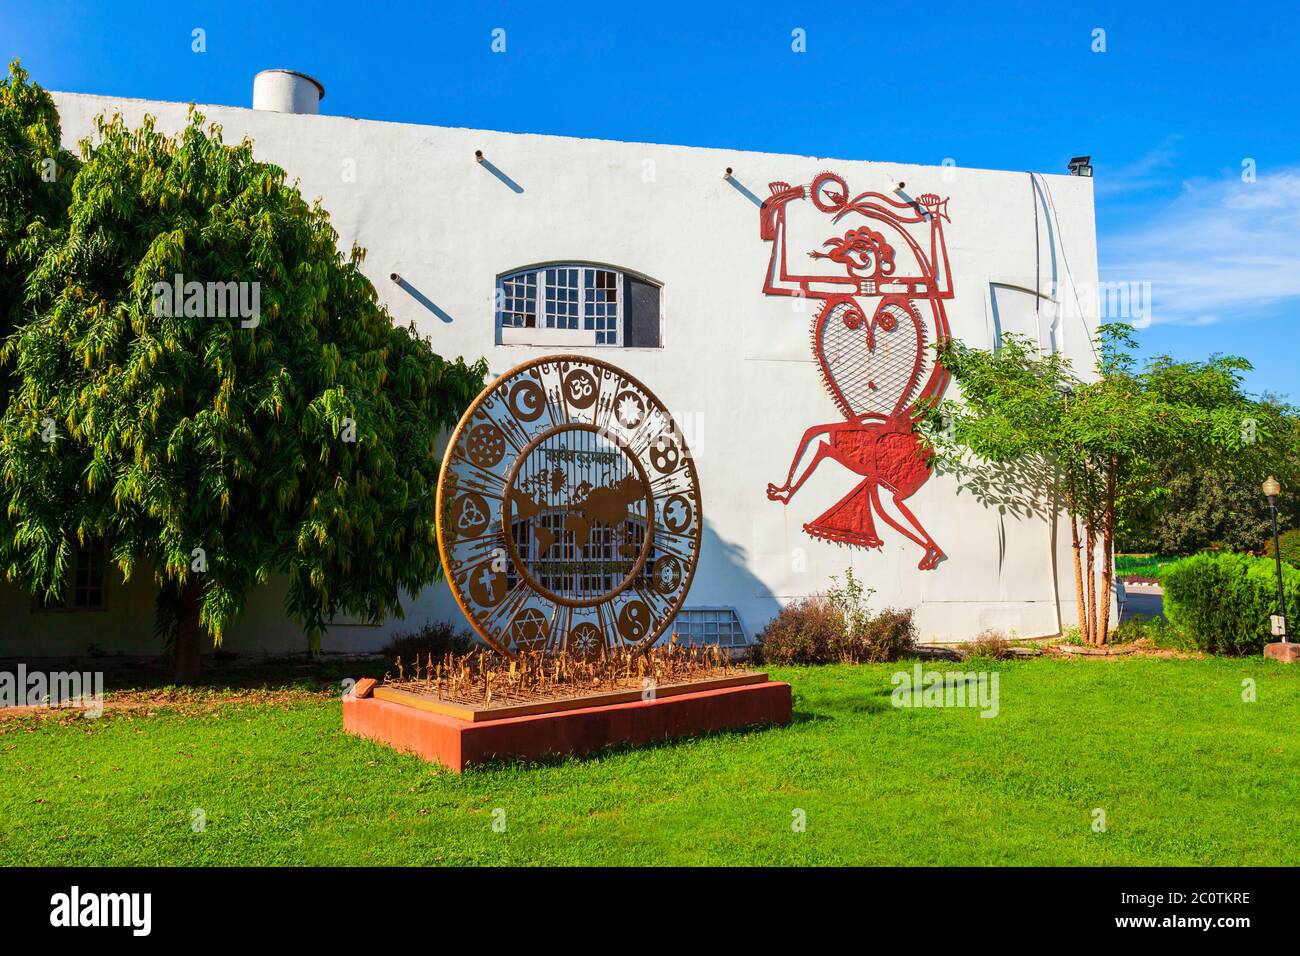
882	289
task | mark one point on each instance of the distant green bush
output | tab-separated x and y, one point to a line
1290	545
1224	601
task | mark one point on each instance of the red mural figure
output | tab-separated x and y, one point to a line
883	307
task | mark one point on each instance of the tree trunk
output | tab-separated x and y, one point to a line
1107	554
1076	546
189	635
1090	536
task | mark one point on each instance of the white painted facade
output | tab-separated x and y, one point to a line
735	367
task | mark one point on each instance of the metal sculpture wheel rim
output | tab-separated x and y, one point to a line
682	546
507	517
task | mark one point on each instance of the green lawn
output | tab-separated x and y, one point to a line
1186	772
1142	565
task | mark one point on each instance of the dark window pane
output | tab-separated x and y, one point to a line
641	319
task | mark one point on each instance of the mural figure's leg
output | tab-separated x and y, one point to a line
915	533
786	491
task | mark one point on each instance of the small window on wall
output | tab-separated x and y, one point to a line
84	590
713	625
577	304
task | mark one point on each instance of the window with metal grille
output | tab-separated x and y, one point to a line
519	300
708	625
85	588
564	295
577	304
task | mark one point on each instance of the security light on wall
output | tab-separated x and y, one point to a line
1081	166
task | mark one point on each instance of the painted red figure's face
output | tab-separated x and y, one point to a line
864	251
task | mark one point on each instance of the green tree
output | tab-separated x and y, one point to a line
36	175
1087	446
208	441
1215	502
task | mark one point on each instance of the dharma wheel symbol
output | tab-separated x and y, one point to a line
568	510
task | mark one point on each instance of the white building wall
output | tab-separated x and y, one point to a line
735	368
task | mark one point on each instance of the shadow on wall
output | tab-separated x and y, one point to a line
420	297
1026	489
723	580
744	191
1023	489
487	164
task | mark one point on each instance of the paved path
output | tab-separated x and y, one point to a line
1146	601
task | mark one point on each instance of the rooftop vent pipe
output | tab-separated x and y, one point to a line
287	91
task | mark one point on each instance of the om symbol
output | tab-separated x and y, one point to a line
580	388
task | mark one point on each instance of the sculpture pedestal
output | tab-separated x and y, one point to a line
457	743
1285	653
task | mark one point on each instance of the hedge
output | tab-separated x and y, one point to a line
1224	601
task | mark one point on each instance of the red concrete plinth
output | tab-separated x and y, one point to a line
1286	653
457	743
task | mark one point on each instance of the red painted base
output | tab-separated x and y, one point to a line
458	743
1285	653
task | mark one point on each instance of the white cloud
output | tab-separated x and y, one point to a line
1146	173
1223	249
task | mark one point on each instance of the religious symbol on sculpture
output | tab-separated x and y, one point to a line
879	370
568	511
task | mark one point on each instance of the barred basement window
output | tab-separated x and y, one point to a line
714	625
577	304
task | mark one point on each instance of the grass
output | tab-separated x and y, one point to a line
1185	771
1145	566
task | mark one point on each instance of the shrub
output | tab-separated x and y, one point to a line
1290	547
887	636
807	631
837	627
1223	601
437	639
988	643
1155	630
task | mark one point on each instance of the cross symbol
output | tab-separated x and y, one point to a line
489	582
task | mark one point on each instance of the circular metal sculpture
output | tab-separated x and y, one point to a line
568	510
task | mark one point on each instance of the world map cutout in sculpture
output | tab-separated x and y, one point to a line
883	307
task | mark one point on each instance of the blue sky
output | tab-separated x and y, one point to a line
1182	96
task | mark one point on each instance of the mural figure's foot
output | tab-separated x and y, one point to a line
781	494
932	557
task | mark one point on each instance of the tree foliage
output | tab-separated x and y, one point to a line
1214	502
1096	447
36	175
208	450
